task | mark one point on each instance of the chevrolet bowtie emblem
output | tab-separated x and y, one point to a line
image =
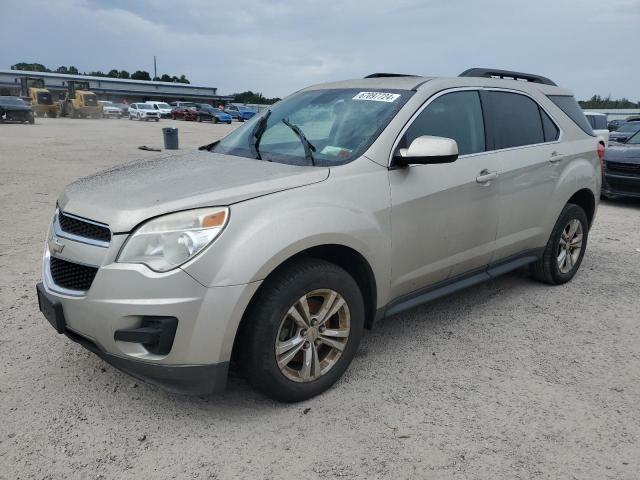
56	246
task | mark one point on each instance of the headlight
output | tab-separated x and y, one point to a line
167	242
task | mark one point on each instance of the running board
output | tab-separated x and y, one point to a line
448	287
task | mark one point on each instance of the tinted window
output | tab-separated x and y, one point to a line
601	122
551	131
515	120
571	108
592	120
455	115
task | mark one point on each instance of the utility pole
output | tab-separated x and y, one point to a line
155	68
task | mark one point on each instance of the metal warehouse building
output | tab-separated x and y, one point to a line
114	89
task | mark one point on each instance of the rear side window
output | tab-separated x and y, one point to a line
571	108
515	120
601	122
456	115
551	132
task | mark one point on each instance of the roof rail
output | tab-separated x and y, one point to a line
383	75
492	72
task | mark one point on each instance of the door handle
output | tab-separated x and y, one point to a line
555	157
486	176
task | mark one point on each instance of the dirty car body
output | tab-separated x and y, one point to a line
343	203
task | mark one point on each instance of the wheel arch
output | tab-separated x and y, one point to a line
352	261
585	199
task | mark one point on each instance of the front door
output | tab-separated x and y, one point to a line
444	216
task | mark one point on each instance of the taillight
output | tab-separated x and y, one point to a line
601	154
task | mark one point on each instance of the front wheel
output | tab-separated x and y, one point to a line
565	249
302	331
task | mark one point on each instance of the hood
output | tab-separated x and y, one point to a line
623	153
124	196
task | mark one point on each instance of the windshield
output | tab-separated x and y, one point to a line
337	126
186	105
630	127
634	139
11	101
107	104
145	106
163	105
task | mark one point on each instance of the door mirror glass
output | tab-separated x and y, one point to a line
428	149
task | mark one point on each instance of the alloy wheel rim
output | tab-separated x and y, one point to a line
313	335
570	246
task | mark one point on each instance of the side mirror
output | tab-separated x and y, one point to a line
427	149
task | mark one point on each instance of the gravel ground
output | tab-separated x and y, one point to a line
511	379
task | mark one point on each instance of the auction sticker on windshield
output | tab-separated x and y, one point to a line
377	96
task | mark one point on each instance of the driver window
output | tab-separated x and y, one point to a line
456	115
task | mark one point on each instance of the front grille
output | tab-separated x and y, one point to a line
71	275
81	228
624	168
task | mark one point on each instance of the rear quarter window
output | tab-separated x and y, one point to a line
570	107
515	120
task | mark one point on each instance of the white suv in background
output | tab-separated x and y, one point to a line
143	111
598	122
162	107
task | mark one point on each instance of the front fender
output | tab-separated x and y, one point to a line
264	232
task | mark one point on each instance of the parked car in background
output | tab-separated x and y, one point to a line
633	118
14	109
621	174
240	112
598	122
180	103
343	204
162	107
624	131
184	111
614	124
124	108
109	109
143	111
206	112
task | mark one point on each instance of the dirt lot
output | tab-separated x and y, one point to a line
511	379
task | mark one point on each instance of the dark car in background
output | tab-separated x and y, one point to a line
206	112
621	173
183	110
239	112
613	125
624	131
14	109
124	107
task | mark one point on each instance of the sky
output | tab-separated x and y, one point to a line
279	46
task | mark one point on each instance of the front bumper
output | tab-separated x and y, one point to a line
183	379
125	296
621	185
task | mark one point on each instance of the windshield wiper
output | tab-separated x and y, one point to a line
308	146
256	134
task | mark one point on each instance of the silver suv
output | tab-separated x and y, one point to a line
344	203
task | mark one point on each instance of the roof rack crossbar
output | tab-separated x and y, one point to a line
384	75
492	73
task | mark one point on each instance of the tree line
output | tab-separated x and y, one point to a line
607	102
253	98
114	73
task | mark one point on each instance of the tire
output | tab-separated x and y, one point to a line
157	119
199	119
229	122
130	117
32	119
549	268
214	119
52	114
268	322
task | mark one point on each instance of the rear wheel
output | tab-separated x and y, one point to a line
565	249
302	331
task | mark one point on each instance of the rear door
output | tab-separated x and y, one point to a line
444	217
525	139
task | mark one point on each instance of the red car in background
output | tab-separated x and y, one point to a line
183	110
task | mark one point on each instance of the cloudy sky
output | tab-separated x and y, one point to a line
278	46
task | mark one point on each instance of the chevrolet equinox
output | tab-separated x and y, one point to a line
342	204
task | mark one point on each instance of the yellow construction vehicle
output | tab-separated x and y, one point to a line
79	101
34	91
